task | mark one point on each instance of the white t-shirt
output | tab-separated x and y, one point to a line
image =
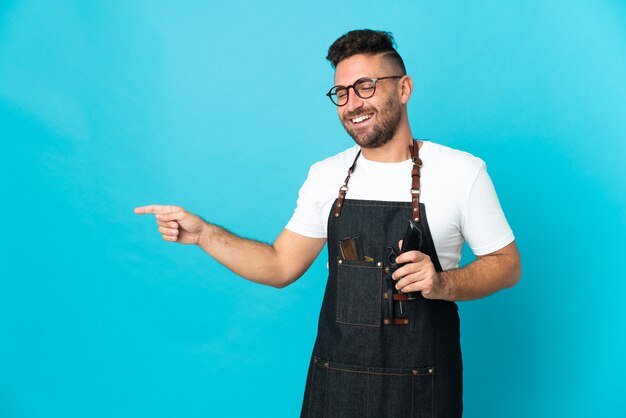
460	200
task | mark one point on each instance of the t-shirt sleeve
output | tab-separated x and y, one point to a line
485	227
307	219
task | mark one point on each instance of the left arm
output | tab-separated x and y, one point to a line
484	276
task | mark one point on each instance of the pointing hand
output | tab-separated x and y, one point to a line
175	223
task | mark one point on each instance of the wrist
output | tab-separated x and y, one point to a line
205	236
446	287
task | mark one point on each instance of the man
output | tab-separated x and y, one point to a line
388	335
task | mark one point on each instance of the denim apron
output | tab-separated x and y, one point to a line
370	359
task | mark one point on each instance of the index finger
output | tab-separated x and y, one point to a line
155	209
414	256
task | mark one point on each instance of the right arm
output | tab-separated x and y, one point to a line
277	265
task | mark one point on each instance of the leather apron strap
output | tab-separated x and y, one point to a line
343	189
415	185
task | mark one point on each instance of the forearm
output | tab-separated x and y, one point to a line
252	260
483	277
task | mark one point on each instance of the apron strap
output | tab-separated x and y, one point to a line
415	186
343	189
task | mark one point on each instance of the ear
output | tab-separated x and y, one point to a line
406	88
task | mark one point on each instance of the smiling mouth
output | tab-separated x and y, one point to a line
361	119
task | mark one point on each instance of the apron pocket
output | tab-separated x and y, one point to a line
343	390
359	292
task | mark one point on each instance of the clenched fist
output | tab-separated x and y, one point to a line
175	223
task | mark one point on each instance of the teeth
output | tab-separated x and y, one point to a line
361	118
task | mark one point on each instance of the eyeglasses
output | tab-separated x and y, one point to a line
364	88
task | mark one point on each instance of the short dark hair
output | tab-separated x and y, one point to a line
364	41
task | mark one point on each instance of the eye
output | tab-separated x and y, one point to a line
365	85
341	93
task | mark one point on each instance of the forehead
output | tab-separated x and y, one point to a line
351	69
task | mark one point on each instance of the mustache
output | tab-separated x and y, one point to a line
352	115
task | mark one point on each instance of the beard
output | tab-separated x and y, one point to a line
376	136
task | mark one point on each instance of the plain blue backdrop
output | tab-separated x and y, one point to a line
219	107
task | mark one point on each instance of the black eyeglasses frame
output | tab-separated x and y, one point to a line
360	80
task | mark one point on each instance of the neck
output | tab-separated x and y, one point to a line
394	151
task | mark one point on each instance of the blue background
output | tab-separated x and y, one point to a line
219	107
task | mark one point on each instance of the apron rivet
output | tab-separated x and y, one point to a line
340	261
387	270
414	371
416	219
336	215
414	209
338	205
326	364
379	264
430	371
386	321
